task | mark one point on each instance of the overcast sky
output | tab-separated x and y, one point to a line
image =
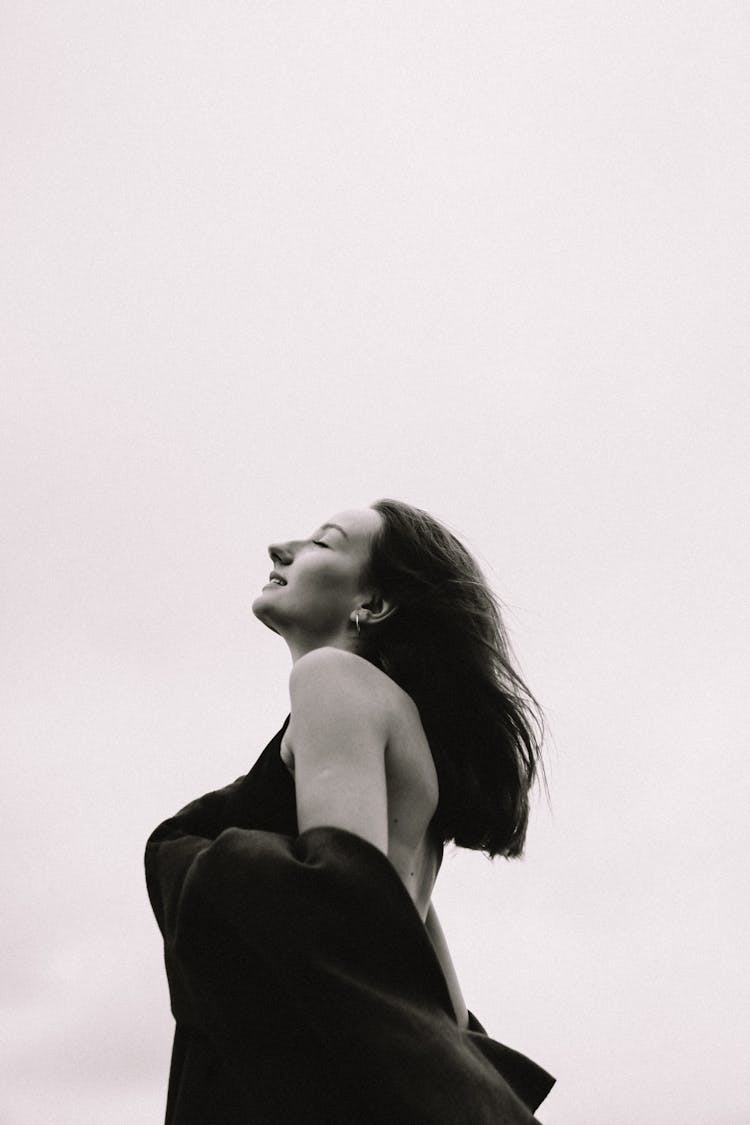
264	262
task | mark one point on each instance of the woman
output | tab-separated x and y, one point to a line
309	976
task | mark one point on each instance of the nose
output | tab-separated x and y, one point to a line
280	554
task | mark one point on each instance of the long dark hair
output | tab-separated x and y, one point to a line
446	646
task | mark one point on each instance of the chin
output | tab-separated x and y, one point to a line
259	608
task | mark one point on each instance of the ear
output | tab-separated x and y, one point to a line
377	609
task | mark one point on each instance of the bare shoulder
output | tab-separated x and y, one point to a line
334	669
361	760
330	687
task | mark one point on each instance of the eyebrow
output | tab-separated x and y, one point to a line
323	526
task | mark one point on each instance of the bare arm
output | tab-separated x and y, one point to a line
437	937
338	736
338	739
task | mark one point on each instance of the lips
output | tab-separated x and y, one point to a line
276	579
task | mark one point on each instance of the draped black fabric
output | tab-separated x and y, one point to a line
303	983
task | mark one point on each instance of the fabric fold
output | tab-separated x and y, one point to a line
305	986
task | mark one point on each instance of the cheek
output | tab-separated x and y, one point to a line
328	580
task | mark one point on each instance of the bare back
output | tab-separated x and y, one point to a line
412	786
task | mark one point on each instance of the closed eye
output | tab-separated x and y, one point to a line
320	543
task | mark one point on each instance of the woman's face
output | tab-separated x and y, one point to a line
321	576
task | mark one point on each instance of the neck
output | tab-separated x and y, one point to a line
299	646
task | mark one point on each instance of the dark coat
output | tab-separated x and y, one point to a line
304	985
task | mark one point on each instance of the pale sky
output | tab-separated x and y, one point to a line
264	262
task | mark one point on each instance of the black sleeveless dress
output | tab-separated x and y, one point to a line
304	986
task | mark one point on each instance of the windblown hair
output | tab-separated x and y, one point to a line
446	646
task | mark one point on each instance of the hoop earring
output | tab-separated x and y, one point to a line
356	621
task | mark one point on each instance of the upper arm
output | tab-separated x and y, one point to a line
338	736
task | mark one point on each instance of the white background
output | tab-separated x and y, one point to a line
267	261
